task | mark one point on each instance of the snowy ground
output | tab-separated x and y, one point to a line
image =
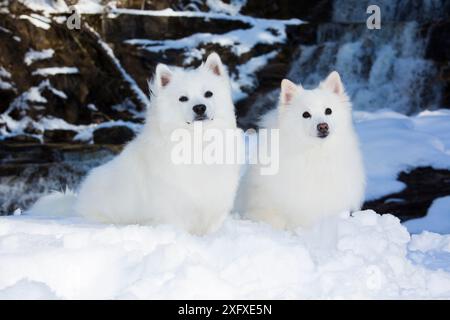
365	256
392	142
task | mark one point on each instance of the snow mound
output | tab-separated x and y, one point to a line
364	256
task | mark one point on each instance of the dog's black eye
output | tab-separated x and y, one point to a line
306	115
183	99
208	94
328	111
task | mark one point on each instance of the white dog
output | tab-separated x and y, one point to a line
321	170
143	185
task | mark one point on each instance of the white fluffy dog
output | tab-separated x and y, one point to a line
143	185
321	170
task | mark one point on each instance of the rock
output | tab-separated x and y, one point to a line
113	135
438	47
423	186
309	10
59	136
22	138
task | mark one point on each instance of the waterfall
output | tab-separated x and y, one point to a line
382	68
385	68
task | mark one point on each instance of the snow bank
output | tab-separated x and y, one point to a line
365	256
437	219
392	142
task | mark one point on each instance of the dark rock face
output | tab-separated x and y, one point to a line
438	49
59	135
113	135
309	10
423	186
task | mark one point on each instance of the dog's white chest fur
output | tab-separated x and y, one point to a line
143	186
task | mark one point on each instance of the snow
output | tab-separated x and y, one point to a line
89	7
5	85
4	73
86	134
199	14
5	77
55	70
5	30
47	6
33	94
245	77
431	250
59	6
33	55
437	219
392	142
36	20
365	256
232	8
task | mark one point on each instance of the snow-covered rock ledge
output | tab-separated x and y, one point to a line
364	256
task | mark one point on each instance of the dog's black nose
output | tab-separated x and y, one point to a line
199	109
322	128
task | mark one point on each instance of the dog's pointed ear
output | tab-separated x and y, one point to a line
334	83
214	64
288	90
163	75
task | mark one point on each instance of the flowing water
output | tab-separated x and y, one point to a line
385	68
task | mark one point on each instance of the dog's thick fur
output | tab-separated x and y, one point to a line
318	176
142	185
